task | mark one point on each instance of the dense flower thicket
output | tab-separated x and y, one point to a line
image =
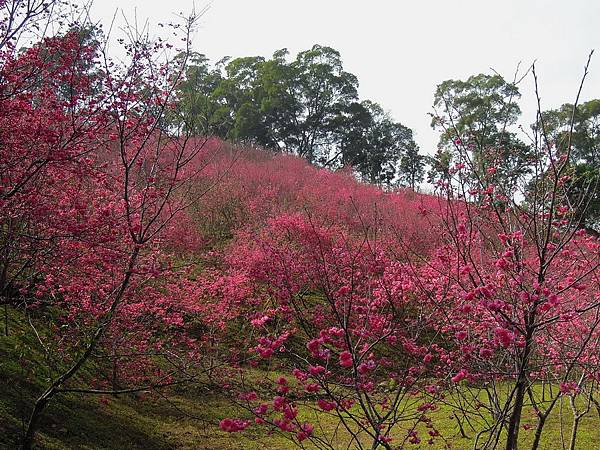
261	185
81	204
94	191
375	305
372	306
164	259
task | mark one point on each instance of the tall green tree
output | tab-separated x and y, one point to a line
474	118
307	106
242	91
582	146
324	91
200	110
278	104
439	166
381	151
411	170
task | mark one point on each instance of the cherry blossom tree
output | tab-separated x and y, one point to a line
94	188
516	287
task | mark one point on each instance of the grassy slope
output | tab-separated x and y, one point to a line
185	418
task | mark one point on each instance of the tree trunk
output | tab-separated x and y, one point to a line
574	432
515	418
6	319
538	433
35	417
596	404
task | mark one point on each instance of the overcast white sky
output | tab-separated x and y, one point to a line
400	50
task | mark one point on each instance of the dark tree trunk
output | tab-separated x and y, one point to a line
512	437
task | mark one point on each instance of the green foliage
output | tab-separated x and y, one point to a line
474	117
200	111
585	139
323	90
583	148
439	165
478	108
412	166
379	148
308	106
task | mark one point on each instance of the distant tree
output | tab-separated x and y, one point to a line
474	117
412	166
377	147
439	166
199	110
307	107
242	91
324	90
583	148
279	105
274	103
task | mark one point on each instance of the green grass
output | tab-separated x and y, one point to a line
185	418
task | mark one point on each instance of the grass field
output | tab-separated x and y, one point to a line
184	418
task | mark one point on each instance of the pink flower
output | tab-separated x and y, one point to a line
461	335
485	352
312	387
301	436
461	375
502	263
260	321
362	368
414	438
249	396
343	290
300	375
289	412
233	425
314	345
505	337
569	387
279	402
261	409
306	429
346	359
326	405
265	352
316	370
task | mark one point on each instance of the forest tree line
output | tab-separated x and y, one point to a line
309	106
